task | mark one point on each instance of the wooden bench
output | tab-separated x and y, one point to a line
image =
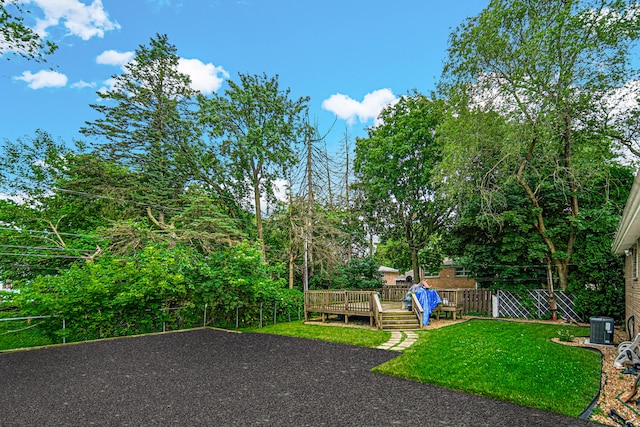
449	304
448	309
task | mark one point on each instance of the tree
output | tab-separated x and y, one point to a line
18	38
529	84
254	126
150	127
43	230
394	166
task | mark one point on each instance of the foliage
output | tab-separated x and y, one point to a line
112	295
597	279
42	228
509	361
531	106
122	295
254	127
394	166
359	273
18	38
565	335
393	253
147	126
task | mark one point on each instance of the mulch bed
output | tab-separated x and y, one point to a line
211	377
613	383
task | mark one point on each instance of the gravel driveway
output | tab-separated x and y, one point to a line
208	377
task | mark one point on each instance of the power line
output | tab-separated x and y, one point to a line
44	248
98	196
49	232
41	255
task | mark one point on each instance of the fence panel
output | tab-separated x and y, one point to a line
476	301
535	303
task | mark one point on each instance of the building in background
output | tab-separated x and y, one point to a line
449	276
627	242
389	275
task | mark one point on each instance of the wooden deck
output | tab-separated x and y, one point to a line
385	313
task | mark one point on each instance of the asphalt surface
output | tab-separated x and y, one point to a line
208	377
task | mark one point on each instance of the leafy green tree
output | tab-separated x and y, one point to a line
254	126
530	85
147	126
42	229
394	166
595	279
138	292
393	253
358	273
17	38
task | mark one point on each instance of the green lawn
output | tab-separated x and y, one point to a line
508	361
345	335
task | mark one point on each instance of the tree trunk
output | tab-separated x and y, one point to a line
310	201
415	265
256	195
552	297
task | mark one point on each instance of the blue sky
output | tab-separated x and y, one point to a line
351	57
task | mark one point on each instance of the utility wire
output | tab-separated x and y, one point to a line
41	255
48	232
44	248
98	196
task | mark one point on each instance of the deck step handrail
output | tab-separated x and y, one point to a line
377	310
417	307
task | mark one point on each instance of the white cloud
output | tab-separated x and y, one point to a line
82	84
349	109
15	198
42	79
84	21
108	85
206	78
112	57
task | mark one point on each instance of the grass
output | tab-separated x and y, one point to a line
508	361
344	335
21	334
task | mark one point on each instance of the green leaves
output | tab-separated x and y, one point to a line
395	166
254	127
18	38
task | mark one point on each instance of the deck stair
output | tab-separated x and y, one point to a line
399	320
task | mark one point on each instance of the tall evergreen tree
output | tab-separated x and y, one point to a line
146	124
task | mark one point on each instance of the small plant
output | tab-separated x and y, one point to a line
565	335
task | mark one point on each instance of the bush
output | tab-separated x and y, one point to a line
159	286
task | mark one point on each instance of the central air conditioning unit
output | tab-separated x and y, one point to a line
601	331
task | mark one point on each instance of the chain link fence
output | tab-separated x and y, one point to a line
18	331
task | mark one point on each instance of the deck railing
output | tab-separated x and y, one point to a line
393	293
348	303
417	307
377	310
